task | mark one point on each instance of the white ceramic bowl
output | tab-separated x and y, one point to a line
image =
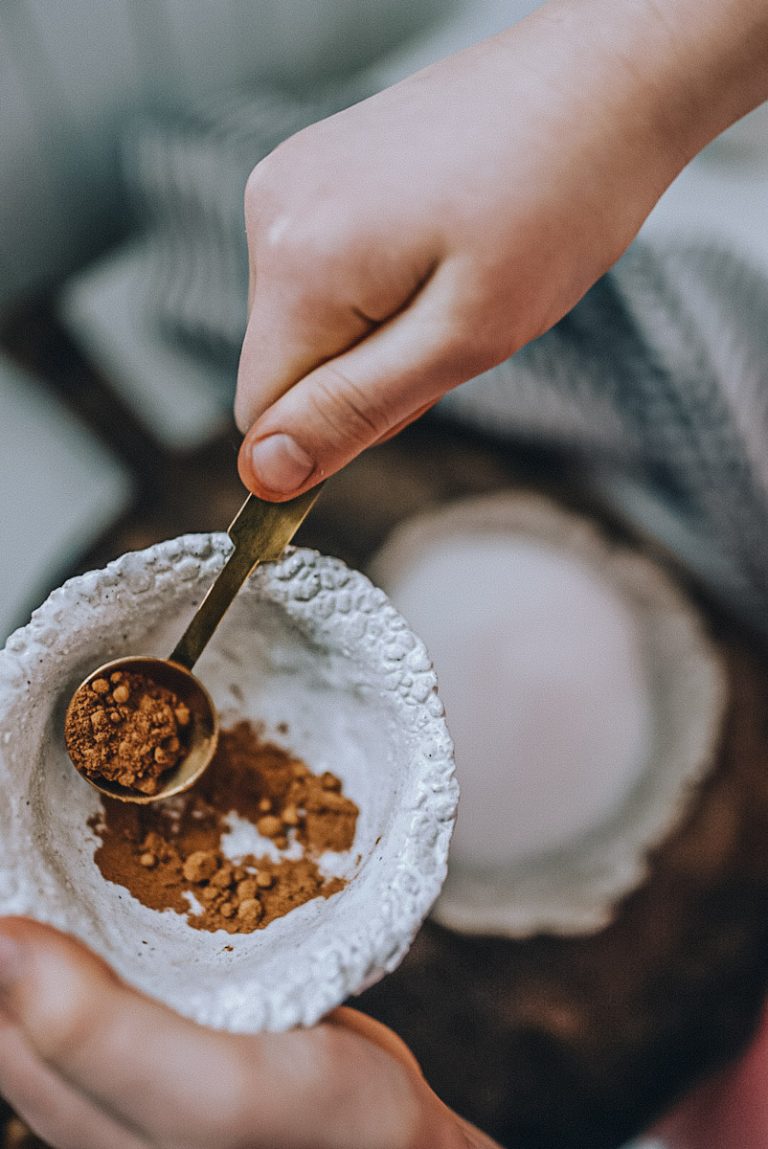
308	643
585	696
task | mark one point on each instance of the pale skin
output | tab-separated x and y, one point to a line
407	244
90	1064
397	250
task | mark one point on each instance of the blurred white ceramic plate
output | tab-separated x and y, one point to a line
582	692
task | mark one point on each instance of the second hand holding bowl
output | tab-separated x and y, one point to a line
260	531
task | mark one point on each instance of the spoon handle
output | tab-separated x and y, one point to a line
260	531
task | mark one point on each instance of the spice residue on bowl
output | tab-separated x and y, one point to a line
127	729
166	851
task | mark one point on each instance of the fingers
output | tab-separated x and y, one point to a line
287	336
124	1054
358	398
53	1110
332	266
176	1084
315	289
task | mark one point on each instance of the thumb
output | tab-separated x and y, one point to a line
361	396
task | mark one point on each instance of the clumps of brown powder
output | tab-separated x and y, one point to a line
126	729
168	850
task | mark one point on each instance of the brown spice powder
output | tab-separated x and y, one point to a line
127	729
166	850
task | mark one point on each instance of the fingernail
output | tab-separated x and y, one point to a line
280	464
10	961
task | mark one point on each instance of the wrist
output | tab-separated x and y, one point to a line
685	69
649	82
712	63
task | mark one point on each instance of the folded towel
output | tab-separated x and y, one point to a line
662	369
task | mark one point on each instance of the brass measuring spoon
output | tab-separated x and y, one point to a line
260	531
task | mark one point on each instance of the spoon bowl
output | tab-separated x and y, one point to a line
203	725
260	531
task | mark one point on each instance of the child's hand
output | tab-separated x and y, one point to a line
91	1064
420	237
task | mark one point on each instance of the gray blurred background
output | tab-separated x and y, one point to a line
127	129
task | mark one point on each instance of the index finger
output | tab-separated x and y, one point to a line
290	332
180	1083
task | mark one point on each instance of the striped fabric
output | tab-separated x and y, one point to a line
73	72
660	371
186	177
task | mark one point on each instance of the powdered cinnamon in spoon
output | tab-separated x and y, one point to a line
165	852
125	728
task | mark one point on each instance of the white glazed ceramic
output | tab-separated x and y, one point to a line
308	643
548	843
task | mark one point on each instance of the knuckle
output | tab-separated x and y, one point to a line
291	221
269	194
346	409
258	194
302	238
68	1029
73	1011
